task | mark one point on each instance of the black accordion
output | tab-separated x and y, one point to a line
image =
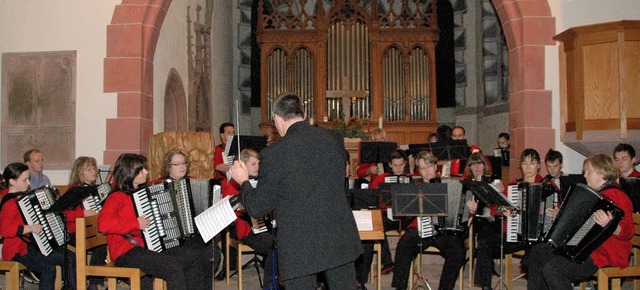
97	196
574	233
33	207
532	223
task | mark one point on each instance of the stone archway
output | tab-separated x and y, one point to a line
175	103
128	71
528	27
135	27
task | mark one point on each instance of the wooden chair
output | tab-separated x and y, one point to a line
614	273
508	262
87	237
12	278
241	249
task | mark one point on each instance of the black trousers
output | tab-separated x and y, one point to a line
181	269
451	248
490	238
35	261
263	245
338	278
548	270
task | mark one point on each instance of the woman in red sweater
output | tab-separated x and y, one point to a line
85	173
16	234
549	270
118	220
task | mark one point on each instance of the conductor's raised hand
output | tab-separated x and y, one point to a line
143	222
239	172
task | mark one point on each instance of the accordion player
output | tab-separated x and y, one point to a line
571	253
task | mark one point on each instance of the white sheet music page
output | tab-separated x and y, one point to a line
364	221
215	219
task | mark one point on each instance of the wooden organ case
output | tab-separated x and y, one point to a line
367	59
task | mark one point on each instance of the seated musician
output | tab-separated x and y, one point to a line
370	170
489	228
19	244
175	166
85	173
397	163
262	243
123	228
451	246
549	270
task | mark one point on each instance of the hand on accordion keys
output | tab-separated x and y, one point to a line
34	228
552	212
144	222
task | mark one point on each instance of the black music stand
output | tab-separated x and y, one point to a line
376	152
490	195
444	149
419	200
246	141
364	198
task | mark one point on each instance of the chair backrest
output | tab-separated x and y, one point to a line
87	237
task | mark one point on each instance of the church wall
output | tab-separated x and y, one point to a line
171	52
568	14
222	47
76	25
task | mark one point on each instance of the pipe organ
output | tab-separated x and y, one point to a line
352	59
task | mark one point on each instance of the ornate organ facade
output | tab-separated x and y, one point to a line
367	59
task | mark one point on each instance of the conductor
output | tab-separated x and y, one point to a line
301	177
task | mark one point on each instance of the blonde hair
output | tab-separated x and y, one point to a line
166	161
604	165
427	157
245	154
78	166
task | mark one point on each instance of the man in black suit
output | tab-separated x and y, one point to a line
301	177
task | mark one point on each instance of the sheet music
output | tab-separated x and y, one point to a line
215	219
364	221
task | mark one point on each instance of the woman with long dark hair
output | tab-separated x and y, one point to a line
16	234
118	220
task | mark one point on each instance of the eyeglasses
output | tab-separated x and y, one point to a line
180	164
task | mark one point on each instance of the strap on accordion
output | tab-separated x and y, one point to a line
129	238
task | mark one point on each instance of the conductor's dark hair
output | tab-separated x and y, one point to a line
225	125
288	106
530	152
552	156
461	128
504	135
13	171
127	167
26	157
625	147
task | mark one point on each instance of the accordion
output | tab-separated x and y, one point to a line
532	200
97	197
33	207
574	234
457	212
192	196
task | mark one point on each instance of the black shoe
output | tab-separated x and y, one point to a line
361	286
93	287
387	269
487	288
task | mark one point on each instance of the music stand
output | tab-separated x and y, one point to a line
490	195
364	198
631	186
419	200
246	141
376	152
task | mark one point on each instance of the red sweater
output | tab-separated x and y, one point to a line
217	159
634	173
615	250
363	168
117	218
10	224
243	228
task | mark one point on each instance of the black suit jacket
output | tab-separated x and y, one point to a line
302	178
